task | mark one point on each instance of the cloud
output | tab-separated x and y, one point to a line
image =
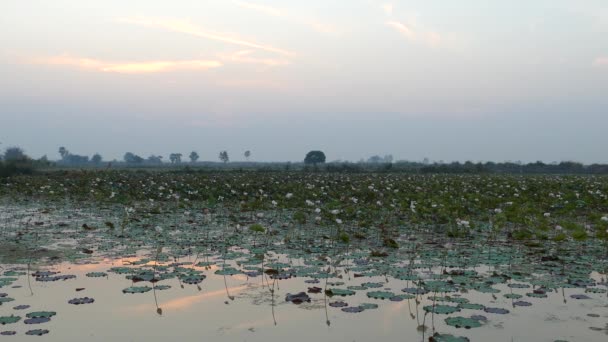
413	34
600	62
276	12
245	57
186	27
125	67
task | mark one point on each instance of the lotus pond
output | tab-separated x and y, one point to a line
229	256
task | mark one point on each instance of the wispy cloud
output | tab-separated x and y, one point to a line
125	67
186	27
277	12
414	34
601	62
245	57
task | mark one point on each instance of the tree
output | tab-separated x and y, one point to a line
131	158
15	154
194	156
155	160
374	159
63	152
314	157
224	156
247	154
96	159
175	158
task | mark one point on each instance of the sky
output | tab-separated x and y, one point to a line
480	80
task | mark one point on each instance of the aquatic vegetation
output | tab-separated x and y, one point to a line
453	247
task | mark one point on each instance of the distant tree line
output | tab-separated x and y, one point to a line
14	160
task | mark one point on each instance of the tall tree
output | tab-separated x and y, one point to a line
175	158
224	156
194	156
131	158
14	154
314	157
96	159
247	154
63	152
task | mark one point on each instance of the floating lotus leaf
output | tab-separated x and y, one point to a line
595	290
368	306
9	319
335	283
499	311
372	285
447	338
37	320
121	270
353	309
462	322
21	307
80	301
297	298
380	294
315	289
40	314
512	296
357	288
37	332
56	278
6	300
518	286
193	279
441	309
439	286
162	287
227	271
536	295
522	303
339	292
449	299
96	274
137	289
8	333
471	306
415	290
579	296
338	304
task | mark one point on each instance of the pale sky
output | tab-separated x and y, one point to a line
448	80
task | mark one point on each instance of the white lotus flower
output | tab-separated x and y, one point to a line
289	195
547	214
604	218
463	223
